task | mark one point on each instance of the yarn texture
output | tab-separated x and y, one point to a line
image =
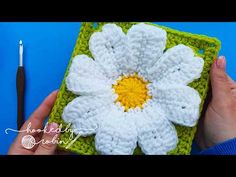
133	88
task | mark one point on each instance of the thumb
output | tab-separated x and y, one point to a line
219	79
48	143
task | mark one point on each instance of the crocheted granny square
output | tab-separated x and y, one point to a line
133	88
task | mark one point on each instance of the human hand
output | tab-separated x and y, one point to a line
37	120
219	122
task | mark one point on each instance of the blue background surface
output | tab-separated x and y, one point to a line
47	50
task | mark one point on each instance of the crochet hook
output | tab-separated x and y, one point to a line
20	86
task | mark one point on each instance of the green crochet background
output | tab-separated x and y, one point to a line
203	46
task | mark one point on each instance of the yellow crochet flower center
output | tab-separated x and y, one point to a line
132	91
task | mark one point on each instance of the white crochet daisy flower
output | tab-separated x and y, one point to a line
132	91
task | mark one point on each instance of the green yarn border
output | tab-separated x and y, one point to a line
203	46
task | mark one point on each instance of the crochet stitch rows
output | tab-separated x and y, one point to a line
203	46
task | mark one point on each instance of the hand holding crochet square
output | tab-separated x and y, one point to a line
133	89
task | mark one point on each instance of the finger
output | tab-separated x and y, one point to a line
199	137
231	80
219	79
233	91
48	143
36	120
232	83
41	113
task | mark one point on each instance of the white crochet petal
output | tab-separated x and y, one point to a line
178	65
86	77
146	44
116	135
85	112
156	135
108	47
85	66
180	103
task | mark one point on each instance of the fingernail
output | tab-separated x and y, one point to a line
52	129
220	62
